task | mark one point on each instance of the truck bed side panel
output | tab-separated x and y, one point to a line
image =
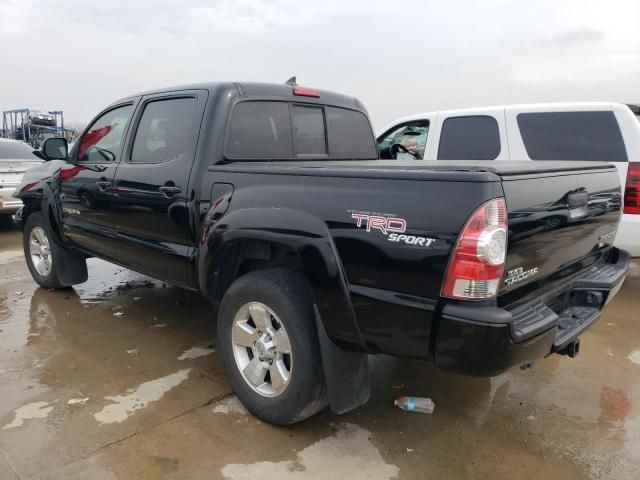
384	276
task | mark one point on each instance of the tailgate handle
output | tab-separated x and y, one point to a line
577	199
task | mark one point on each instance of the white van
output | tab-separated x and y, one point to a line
584	131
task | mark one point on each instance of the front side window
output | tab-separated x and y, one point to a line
408	141
103	141
469	138
260	130
308	130
572	136
164	131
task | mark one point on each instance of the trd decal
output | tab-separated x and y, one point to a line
384	224
519	274
391	226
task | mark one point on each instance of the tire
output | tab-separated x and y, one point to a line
87	200
279	299
37	232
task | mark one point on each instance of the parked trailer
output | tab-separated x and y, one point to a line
33	127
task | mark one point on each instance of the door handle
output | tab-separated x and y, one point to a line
169	190
103	185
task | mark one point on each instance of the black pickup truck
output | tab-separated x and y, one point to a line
271	201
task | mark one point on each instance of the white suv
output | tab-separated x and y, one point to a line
584	131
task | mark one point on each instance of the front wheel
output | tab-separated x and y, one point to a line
38	244
269	347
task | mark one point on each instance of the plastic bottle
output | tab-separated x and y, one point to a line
415	404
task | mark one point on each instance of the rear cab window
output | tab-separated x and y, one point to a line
580	136
469	138
262	130
308	130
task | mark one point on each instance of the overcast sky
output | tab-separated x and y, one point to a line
397	57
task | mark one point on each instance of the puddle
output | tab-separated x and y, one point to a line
232	405
634	357
29	411
351	454
124	406
196	352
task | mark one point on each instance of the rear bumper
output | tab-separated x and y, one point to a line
486	341
628	236
8	204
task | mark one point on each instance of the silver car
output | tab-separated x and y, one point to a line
15	159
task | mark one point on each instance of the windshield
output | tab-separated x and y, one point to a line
16	151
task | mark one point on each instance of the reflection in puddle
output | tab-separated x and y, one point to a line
231	405
29	411
196	352
634	357
349	450
140	397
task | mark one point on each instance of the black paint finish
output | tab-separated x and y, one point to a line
201	219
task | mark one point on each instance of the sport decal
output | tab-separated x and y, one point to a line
393	227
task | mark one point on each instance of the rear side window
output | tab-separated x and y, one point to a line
308	130
260	130
469	138
349	134
164	131
572	136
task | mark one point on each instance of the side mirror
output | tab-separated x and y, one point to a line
53	149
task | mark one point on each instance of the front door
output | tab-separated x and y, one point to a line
85	183
150	189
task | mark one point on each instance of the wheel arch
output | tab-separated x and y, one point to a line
253	238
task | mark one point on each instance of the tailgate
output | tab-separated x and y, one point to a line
560	223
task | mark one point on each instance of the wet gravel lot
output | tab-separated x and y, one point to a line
118	378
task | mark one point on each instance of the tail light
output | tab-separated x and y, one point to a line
477	263
632	189
306	92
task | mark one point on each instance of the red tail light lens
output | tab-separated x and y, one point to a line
306	92
477	263
632	190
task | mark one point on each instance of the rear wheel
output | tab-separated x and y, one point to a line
269	347
38	244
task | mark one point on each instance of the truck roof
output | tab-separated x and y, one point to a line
264	90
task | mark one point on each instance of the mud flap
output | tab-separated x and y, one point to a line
346	373
73	266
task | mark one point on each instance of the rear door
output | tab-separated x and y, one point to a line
151	185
